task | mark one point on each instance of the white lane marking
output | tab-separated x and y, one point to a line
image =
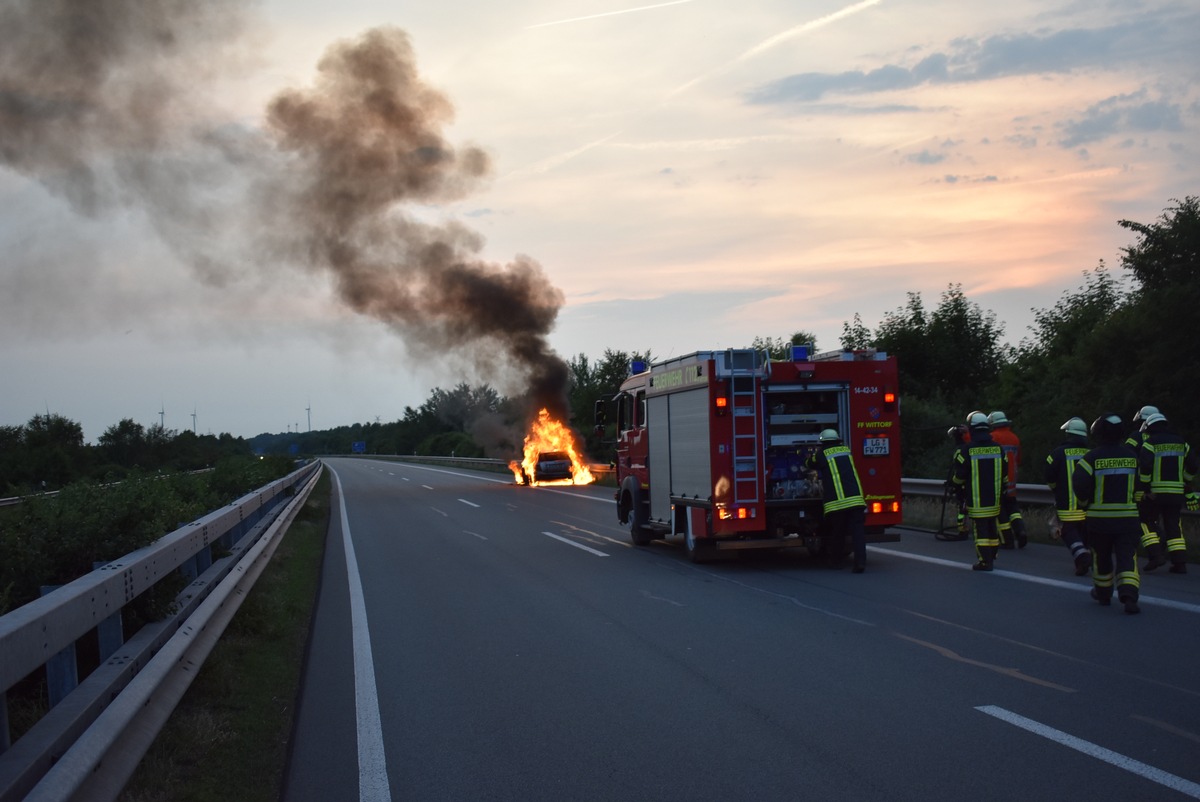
1186	787
570	542
439	512
391	474
1081	584
476	534
469	503
372	764
427	487
405	478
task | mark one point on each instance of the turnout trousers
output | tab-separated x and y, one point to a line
1114	562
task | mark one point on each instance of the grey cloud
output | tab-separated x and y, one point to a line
1121	113
814	85
925	157
970	60
982	179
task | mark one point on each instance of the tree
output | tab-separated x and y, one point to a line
779	348
124	444
1167	253
54	451
855	335
948	361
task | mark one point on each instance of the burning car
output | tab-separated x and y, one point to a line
552	466
550	456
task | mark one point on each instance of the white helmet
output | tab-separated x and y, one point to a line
1151	419
998	418
1144	413
1076	427
829	436
977	420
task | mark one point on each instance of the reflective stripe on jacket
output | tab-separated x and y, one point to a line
841	488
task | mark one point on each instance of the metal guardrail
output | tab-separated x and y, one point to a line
89	743
936	488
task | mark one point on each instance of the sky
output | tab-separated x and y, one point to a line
672	176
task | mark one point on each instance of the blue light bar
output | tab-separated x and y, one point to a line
799	353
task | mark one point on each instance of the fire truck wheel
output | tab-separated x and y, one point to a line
635	518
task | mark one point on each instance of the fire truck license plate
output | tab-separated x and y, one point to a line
875	447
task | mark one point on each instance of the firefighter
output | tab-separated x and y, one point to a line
1012	525
1060	466
1167	465
844	506
1147	508
960	433
981	469
1107	482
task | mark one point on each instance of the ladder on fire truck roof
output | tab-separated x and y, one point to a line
744	372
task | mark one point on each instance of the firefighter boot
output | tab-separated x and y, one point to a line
1154	557
1018	529
1178	567
1131	604
1104	596
1083	563
987	556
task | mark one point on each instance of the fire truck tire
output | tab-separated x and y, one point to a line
636	516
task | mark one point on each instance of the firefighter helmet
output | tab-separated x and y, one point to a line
977	420
1144	413
1153	418
1076	427
998	418
829	436
1107	428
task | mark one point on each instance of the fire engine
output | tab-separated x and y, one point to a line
713	446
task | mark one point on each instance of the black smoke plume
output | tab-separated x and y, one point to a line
105	103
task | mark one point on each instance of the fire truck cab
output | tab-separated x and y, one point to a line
713	446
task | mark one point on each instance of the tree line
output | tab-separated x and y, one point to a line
49	453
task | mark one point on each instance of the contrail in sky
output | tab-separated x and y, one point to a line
779	38
761	47
608	14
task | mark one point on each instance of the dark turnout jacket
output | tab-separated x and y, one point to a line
1107	482
981	469
1061	465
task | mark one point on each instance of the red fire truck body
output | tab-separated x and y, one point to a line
713	446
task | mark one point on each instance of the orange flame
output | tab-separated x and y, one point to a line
545	435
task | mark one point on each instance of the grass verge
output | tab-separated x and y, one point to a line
228	738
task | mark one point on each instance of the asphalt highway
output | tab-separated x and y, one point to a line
478	640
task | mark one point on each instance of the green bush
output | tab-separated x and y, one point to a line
54	540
